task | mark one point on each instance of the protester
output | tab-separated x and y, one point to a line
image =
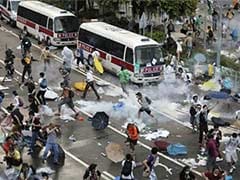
189	44
217	136
214	19
179	49
66	98
79	56
128	166
42	88
45	55
184	28
30	86
124	78
170	27
186	174
133	135
210	35
90	83
212	151
231	151
149	163
51	143
27	66
13	157
92	173
9	64
216	174
36	127
34	104
144	102
68	57
26	46
203	123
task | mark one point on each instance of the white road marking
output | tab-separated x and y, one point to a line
111	127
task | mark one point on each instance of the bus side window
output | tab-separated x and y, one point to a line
50	24
8	6
129	55
4	3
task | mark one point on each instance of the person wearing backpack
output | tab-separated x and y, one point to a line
133	135
124	78
92	173
66	98
128	166
42	88
144	102
148	163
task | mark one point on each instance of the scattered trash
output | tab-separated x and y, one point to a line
155	135
102	83
3	87
47	170
176	149
47	111
51	95
100	90
118	106
72	138
80	86
103	154
99	144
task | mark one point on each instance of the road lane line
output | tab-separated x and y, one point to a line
97	78
106	175
144	145
139	142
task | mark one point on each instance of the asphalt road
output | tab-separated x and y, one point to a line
90	143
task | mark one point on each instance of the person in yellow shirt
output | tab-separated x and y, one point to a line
13	158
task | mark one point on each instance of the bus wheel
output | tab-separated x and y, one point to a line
12	23
48	42
90	60
1	17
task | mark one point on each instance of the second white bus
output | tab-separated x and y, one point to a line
56	26
121	48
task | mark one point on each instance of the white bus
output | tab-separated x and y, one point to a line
8	10
56	26
121	48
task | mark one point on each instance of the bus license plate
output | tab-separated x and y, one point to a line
151	69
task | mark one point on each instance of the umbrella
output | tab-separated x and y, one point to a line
100	120
218	95
115	152
199	57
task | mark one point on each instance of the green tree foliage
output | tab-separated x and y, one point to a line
176	8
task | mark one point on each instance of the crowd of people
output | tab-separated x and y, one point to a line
46	135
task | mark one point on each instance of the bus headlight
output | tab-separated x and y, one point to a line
56	39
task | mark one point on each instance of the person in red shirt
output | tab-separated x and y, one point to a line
133	135
216	174
212	152
7	144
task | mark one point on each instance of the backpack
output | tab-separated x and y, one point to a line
127	168
149	101
43	83
192	111
20	102
71	94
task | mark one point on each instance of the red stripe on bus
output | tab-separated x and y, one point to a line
114	60
6	13
46	31
32	25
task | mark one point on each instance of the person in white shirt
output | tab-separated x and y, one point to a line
231	151
16	102
42	88
128	166
90	83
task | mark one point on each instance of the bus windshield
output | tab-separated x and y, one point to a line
14	5
66	24
145	55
